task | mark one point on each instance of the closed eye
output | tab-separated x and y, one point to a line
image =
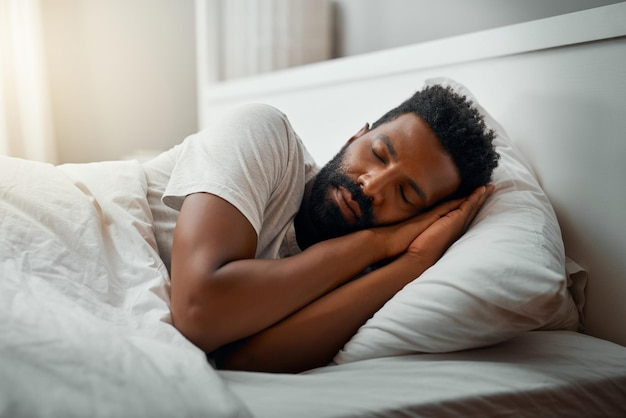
378	156
403	196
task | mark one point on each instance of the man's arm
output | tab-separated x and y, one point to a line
221	294
312	336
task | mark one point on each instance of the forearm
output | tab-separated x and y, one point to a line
245	296
313	335
221	294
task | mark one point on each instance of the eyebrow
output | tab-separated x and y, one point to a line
394	155
388	144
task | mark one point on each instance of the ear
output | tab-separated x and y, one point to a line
363	130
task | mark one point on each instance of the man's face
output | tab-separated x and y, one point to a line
382	176
332	191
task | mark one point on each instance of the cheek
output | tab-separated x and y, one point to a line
355	160
349	170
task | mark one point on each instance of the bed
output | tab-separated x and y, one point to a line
523	316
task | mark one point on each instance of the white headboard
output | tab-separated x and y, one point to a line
558	85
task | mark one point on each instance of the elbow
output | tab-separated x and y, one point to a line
197	312
191	321
258	354
237	356
232	357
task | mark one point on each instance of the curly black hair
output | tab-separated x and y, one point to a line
461	130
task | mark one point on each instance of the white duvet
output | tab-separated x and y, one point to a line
84	320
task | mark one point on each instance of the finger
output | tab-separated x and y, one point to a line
464	215
474	202
468	206
448	228
444	208
478	196
488	189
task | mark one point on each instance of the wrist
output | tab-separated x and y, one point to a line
377	242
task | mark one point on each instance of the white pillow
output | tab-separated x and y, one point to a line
505	276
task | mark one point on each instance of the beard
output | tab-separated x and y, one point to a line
325	215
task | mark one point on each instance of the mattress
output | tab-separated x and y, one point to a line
540	373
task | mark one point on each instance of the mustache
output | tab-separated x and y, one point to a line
356	192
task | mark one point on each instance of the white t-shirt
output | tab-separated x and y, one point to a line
251	158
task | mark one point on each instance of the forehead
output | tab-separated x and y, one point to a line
420	153
411	129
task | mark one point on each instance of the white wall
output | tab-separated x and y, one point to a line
368	25
122	72
121	75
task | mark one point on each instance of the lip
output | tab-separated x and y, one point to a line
349	207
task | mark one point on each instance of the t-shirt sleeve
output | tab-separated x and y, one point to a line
240	158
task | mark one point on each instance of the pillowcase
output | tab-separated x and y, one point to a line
504	276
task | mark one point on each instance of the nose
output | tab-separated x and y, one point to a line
376	184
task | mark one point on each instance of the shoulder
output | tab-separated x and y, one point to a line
266	128
256	124
256	113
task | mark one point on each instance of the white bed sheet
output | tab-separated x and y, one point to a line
538	374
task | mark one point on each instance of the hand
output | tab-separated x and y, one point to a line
436	239
399	236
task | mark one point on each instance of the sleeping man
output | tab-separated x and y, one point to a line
263	248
